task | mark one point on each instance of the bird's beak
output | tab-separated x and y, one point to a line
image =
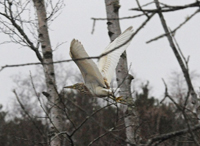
71	87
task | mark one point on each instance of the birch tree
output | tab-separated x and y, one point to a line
43	34
123	77
13	25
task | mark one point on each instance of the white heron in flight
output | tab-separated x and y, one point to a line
97	78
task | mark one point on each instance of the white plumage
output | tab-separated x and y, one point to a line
97	78
108	63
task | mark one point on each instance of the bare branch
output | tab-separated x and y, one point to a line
167	95
180	51
44	110
97	122
29	116
176	53
55	9
122	18
168	8
178	27
139	6
163	137
26	39
110	130
94	57
78	127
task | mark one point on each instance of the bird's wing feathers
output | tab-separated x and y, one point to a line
108	63
88	68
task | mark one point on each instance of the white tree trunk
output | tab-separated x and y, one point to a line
55	113
131	122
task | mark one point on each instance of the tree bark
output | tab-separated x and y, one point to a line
56	120
123	78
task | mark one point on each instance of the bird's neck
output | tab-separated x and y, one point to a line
84	89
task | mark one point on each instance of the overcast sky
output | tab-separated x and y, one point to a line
149	61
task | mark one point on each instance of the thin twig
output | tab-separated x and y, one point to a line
178	27
110	130
97	122
105	19
163	137
176	53
88	117
139	6
84	58
29	116
122	18
170	8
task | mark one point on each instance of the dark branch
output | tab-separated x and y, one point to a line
78	59
122	18
168	8
29	116
176	53
167	136
178	27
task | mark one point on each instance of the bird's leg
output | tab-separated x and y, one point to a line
117	99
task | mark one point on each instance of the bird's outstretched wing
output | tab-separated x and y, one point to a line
108	63
88	68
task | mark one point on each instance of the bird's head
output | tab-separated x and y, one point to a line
78	86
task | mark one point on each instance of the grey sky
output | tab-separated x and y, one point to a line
149	61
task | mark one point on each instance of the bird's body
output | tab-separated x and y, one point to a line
97	78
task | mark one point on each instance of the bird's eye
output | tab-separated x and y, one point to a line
104	87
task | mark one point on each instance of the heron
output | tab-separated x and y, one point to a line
97	78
